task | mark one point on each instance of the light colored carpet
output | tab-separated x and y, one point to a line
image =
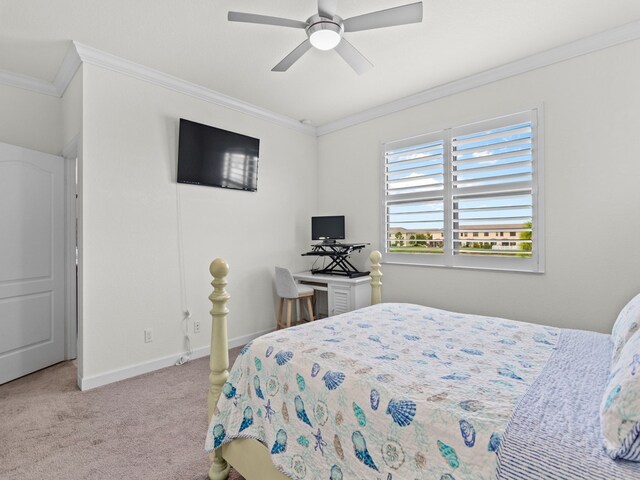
149	427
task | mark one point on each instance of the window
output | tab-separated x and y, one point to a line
480	179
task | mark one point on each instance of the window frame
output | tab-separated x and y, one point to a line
447	259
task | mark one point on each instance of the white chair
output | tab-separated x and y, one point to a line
290	291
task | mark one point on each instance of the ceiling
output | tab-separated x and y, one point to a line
192	39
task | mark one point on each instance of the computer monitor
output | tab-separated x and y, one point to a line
328	229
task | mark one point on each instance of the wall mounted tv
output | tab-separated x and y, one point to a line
327	229
217	158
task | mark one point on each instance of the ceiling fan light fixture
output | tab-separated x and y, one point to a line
325	29
325	35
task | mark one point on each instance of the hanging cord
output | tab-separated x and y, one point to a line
314	263
183	284
187	340
324	262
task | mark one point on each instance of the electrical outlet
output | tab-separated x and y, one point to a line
196	327
148	335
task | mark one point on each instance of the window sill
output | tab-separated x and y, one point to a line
462	267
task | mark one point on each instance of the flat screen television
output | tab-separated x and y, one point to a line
327	228
217	158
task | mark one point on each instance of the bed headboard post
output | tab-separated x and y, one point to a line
219	355
376	275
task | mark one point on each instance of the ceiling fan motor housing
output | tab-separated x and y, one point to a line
324	33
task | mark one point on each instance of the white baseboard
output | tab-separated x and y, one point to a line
87	383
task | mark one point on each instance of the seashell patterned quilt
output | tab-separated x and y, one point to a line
391	391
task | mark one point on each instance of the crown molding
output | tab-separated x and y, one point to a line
79	53
92	56
27	83
66	72
593	43
68	68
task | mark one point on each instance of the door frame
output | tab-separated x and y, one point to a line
70	154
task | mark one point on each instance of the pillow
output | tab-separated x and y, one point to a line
627	323
620	407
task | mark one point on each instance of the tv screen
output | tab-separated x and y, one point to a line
217	158
327	228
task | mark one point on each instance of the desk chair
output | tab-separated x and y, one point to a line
288	291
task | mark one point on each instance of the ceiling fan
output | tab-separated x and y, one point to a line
325	30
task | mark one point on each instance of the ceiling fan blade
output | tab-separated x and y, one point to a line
264	20
327	8
353	57
391	17
293	57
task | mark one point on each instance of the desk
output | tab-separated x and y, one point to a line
343	294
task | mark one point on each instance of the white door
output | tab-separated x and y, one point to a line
32	284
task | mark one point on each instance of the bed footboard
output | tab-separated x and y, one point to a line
219	356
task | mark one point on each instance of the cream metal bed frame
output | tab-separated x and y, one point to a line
248	456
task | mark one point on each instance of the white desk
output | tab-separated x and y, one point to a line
343	294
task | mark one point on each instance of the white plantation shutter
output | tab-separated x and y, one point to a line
472	191
492	183
414	192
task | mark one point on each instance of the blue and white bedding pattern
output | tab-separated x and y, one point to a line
555	430
392	391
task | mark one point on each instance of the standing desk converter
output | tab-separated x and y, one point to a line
338	254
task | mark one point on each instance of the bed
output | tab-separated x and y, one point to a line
402	391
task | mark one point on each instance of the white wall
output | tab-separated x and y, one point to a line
130	261
30	120
592	119
130	249
41	122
